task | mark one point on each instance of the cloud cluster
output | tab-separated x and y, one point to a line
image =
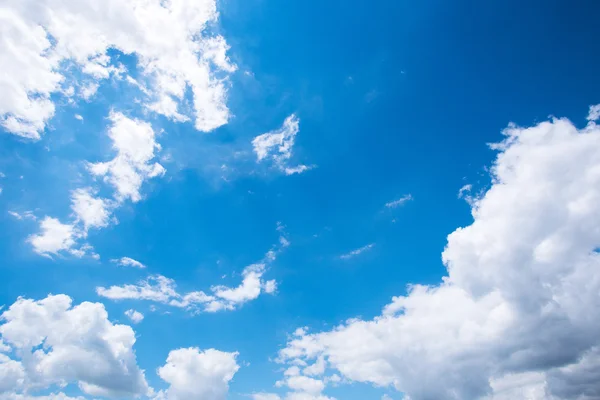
55	342
276	146
52	342
515	317
45	40
134	142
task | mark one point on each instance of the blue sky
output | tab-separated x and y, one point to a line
395	103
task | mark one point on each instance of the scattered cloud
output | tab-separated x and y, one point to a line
55	343
276	146
135	316
160	289
512	318
128	262
135	144
357	252
399	202
195	374
24	215
47	41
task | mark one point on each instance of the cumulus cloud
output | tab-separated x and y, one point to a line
46	39
194	374
514	317
91	211
135	144
357	252
135	316
55	343
276	146
128	262
54	237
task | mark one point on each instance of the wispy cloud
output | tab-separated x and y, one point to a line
399	202
357	252
277	146
128	262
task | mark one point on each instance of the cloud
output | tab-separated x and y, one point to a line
194	374
135	144
399	202
54	237
135	316
45	41
265	396
160	289
357	252
276	146
514	316
52	396
91	211
594	113
128	262
25	215
55	343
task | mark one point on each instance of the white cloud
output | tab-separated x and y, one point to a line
58	238
515	315
193	374
56	343
357	252
25	215
135	144
45	39
277	146
78	117
135	316
156	288
128	262
92	212
163	290
399	202
54	237
52	396
265	396
594	113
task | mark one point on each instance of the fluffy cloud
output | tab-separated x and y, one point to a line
163	290
135	316
128	262
57	343
515	317
44	39
193	374
277	146
135	144
54	237
91	211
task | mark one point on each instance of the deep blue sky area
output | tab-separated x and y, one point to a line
393	98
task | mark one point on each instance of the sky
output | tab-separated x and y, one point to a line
299	200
